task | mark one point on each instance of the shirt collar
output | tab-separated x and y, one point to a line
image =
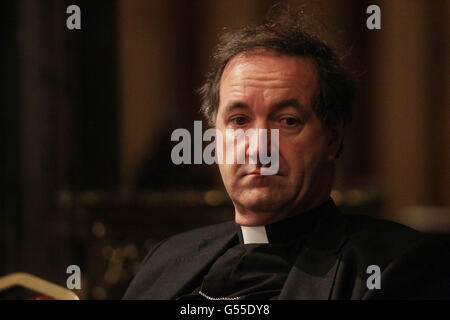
285	230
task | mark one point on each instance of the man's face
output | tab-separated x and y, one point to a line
263	90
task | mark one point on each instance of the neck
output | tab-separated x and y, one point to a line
287	229
247	217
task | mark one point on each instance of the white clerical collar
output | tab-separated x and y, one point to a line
252	235
285	230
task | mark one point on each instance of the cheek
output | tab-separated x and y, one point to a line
223	171
228	173
303	153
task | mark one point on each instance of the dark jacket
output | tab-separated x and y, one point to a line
331	265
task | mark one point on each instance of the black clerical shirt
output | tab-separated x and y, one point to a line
257	265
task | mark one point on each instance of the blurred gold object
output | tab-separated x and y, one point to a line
91	197
39	285
98	229
214	197
429	219
337	197
116	259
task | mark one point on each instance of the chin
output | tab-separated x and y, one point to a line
253	220
260	200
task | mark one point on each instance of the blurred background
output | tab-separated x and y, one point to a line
86	118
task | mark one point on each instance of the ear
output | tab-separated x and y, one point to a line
336	134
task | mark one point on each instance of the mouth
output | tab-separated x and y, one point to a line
257	172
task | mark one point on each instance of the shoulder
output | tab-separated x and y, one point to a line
171	252
395	248
189	241
412	263
383	238
364	230
211	231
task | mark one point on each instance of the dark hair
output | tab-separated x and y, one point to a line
286	32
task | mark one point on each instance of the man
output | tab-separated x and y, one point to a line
288	240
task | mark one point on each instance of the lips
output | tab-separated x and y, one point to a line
243	171
258	173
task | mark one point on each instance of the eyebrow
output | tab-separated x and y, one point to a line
276	108
288	103
235	105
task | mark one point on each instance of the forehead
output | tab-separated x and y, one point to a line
267	71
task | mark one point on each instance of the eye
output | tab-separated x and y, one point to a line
289	121
239	120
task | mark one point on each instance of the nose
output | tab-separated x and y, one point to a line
259	142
